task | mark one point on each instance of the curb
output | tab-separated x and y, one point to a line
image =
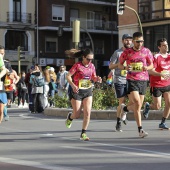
101	114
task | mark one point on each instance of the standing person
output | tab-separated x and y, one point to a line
22	90
46	86
37	81
3	97
52	85
79	77
62	81
29	87
139	60
160	82
119	80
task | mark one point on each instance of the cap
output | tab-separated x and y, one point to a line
52	69
125	36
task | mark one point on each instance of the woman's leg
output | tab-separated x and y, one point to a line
23	97
1	111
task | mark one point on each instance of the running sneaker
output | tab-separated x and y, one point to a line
125	121
84	137
163	126
68	122
146	110
142	133
118	127
123	113
6	118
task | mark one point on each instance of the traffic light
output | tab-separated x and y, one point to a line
20	56
120	6
21	53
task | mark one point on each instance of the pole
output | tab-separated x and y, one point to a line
37	36
137	17
19	61
76	33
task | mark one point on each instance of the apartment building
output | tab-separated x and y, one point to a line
17	28
155	19
98	22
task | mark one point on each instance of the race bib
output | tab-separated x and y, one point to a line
1	85
124	73
85	84
164	72
137	67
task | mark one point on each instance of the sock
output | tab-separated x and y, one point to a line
139	128
125	109
5	111
163	120
69	117
83	131
118	120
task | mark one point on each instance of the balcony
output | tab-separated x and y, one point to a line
99	2
96	25
19	17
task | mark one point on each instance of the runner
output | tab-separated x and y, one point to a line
160	82
139	61
119	79
79	77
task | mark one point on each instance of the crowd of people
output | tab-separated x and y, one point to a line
131	68
34	89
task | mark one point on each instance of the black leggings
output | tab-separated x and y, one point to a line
38	102
21	96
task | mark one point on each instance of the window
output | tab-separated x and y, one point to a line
99	47
17	10
13	39
58	13
51	45
154	9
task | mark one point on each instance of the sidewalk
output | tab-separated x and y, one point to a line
101	114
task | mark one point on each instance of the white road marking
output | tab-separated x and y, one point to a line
35	164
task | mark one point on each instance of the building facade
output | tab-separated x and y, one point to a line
17	28
97	18
154	16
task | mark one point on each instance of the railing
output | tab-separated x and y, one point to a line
95	1
96	24
19	17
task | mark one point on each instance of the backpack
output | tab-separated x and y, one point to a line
39	81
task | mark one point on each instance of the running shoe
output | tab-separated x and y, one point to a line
84	137
68	122
118	127
163	126
146	110
6	118
125	121
142	133
123	113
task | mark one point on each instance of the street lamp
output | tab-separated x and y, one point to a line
76	33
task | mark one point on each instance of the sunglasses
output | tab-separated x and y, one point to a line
139	41
89	59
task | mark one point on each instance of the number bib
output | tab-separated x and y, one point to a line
85	84
1	85
164	72
124	73
137	67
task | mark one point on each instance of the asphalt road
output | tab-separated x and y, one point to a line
37	142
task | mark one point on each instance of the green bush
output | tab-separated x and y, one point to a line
102	99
